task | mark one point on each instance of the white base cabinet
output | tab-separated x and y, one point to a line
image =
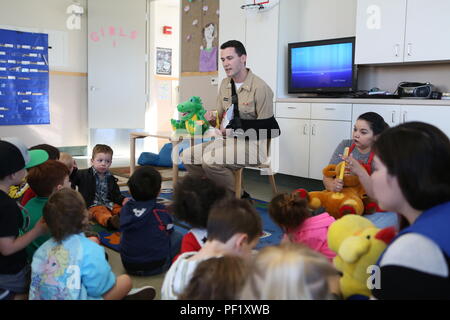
310	133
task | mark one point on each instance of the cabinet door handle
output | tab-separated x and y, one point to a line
405	118
408	49
393	117
396	47
292	107
330	109
305	129
313	130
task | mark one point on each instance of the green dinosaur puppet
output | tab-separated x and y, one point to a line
192	117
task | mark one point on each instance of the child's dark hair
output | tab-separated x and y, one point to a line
232	216
144	183
65	214
44	178
288	211
53	152
101	148
193	198
375	121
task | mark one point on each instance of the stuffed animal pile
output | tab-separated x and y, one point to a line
358	245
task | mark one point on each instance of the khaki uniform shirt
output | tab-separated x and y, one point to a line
255	98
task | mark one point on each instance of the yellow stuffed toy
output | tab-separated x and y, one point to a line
337	204
358	244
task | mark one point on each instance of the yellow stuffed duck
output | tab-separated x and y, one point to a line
358	244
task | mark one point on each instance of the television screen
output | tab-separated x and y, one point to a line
322	66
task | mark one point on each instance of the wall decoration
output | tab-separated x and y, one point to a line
208	53
200	36
164	61
24	77
112	34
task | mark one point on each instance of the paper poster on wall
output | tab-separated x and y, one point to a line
164	89
24	77
200	27
164	61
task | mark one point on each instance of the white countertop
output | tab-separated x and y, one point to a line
403	101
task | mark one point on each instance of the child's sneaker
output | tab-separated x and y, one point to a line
144	293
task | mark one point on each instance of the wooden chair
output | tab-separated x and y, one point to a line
238	175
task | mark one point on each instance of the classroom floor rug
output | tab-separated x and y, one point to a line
271	236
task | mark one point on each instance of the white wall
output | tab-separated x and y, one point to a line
308	20
163	89
67	93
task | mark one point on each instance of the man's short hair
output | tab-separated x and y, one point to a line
237	45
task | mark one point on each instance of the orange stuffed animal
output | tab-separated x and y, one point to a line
337	204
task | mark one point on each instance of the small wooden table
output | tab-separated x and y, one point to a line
175	140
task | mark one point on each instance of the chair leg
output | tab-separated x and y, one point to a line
238	182
272	182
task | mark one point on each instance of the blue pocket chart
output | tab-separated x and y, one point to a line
23	78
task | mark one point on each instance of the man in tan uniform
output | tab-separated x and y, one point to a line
247	122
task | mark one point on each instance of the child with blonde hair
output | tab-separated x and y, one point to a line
290	272
68	160
291	214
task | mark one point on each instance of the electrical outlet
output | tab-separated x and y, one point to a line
214	81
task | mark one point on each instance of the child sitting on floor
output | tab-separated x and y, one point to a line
53	154
234	228
99	188
43	179
69	161
218	278
69	266
290	271
192	200
291	214
14	269
148	240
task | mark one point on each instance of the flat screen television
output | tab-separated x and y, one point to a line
323	66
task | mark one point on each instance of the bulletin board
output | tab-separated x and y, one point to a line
200	35
24	78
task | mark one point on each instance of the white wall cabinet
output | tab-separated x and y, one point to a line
310	133
380	31
401	31
395	114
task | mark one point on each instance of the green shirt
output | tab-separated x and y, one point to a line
33	211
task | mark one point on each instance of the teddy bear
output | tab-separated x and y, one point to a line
351	200
358	244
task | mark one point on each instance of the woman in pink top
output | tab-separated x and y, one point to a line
291	214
